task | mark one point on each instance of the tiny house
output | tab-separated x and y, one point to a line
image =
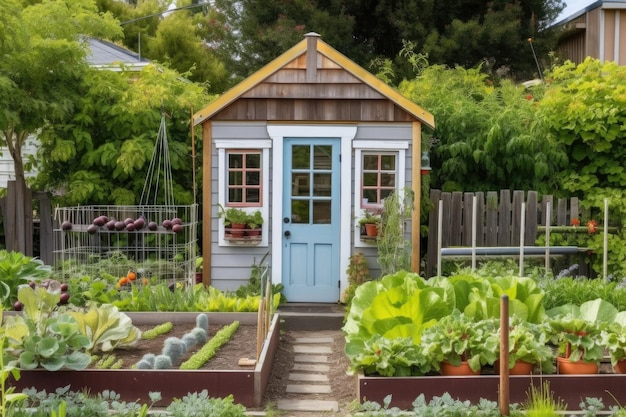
309	142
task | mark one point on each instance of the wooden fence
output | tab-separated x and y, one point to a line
498	219
19	223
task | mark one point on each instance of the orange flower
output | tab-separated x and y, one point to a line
575	222
592	226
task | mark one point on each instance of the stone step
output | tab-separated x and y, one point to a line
312	349
308	389
305	367
311	358
308	377
307	405
314	340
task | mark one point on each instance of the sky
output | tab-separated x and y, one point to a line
572	7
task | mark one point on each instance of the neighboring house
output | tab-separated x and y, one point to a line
310	140
597	30
103	55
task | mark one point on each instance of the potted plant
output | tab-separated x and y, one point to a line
614	340
237	218
457	343
370	221
577	330
528	347
253	222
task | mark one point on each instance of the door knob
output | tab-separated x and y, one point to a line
287	234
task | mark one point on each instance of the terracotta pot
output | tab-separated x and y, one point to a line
371	229
620	367
520	368
447	369
237	230
253	232
565	366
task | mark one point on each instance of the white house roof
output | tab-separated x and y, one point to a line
107	55
576	8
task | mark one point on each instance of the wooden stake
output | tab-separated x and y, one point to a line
259	328
504	394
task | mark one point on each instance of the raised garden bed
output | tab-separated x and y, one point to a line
247	386
572	389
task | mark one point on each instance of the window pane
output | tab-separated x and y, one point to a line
370	162
253	195
385	193
323	157
321	185
371	196
321	212
300	184
370	180
235	195
388	162
388	180
300	211
253	160
235	160
235	178
253	178
301	157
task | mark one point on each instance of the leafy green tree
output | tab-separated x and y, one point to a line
487	136
101	154
43	59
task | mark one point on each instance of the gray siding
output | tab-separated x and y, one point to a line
231	266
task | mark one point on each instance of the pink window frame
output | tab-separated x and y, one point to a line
243	170
379	171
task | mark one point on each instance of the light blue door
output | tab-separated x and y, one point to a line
311	223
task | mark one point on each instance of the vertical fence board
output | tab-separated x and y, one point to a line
516	217
433	232
530	234
480	216
446	198
561	212
573	210
456	219
544	203
504	219
491	238
468	218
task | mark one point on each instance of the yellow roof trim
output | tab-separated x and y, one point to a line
301	48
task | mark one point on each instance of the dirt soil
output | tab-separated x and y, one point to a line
243	345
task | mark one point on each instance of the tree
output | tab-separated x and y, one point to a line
43	59
101	153
487	136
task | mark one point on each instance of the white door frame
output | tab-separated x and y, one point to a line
346	133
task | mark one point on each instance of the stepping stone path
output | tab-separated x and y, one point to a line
309	376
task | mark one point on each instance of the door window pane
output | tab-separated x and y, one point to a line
321	212
323	157
321	185
300	211
301	156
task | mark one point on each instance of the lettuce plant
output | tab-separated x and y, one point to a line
105	327
17	269
43	338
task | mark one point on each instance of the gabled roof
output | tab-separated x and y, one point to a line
327	51
107	55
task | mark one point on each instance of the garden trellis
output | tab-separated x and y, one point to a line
156	239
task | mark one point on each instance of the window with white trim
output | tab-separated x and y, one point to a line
244	174
379	177
242	171
379	171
